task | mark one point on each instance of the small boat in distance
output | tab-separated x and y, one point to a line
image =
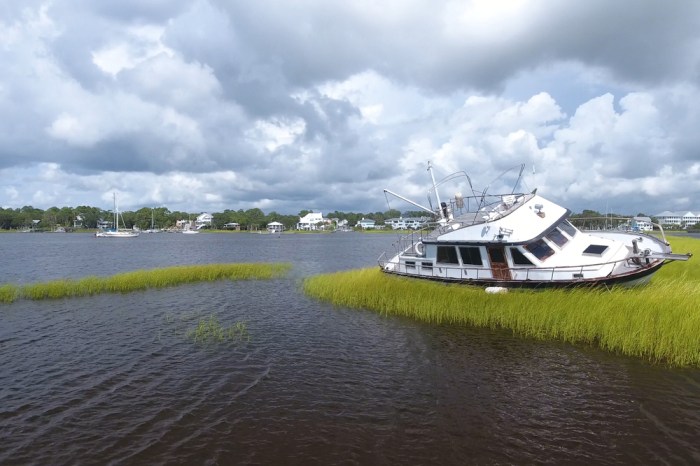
519	240
153	229
115	231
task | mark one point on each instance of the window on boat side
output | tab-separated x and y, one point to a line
470	255
447	255
595	249
556	237
540	249
519	258
567	228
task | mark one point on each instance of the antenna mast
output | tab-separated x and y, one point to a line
437	195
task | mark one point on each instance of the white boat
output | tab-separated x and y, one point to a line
189	231
115	231
520	240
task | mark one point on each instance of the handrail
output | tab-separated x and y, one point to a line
464	271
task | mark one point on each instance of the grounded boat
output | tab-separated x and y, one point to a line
117	232
520	240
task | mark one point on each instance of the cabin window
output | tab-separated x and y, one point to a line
595	249
426	265
540	249
567	228
470	255
519	258
447	255
556	237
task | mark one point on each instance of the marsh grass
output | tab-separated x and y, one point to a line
210	330
8	293
659	322
142	280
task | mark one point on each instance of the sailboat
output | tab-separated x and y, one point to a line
153	229
115	231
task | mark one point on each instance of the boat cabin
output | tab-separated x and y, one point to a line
527	239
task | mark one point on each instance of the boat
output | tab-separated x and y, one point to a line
115	231
509	240
153	229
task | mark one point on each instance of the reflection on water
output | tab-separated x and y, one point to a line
113	379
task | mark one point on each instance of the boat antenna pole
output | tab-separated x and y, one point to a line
437	195
520	175
386	191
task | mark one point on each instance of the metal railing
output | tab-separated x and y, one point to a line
565	272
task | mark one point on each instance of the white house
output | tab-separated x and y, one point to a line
411	223
203	220
342	225
312	221
690	219
641	224
681	219
366	224
275	227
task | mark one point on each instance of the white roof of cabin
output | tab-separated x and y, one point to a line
526	220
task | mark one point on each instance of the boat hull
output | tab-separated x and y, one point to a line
116	234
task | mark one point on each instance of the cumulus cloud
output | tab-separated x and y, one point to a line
209	104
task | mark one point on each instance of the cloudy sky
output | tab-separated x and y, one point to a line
206	105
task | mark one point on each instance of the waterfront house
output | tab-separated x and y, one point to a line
411	223
312	221
641	224
275	227
203	220
341	225
682	219
366	224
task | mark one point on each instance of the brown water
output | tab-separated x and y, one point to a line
113	379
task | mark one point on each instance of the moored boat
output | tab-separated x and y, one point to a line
520	240
115	231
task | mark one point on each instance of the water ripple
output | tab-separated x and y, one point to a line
115	379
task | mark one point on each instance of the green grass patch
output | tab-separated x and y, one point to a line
142	280
210	330
8	293
659	322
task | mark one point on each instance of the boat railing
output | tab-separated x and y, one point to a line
463	211
563	272
472	210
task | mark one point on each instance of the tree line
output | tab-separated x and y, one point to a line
29	217
250	219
